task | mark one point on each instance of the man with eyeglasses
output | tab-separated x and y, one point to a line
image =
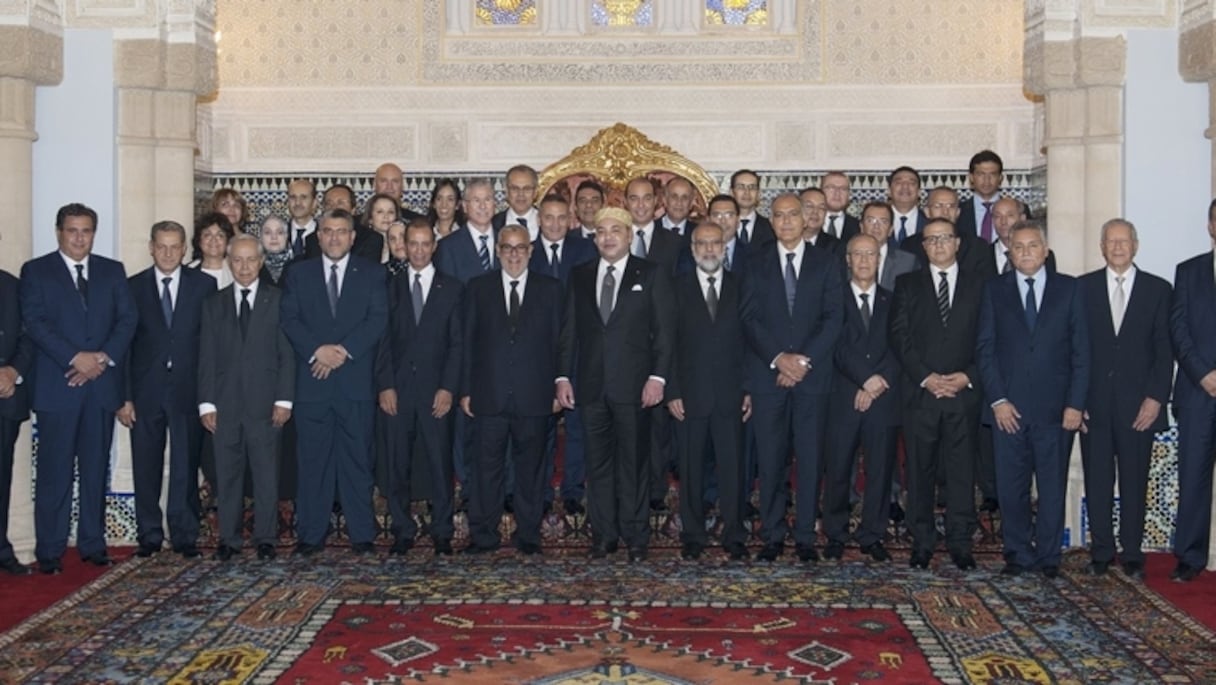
934	322
754	227
521	193
334	310
839	223
512	322
942	203
706	396
863	409
892	262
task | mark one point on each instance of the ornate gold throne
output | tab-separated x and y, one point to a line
618	154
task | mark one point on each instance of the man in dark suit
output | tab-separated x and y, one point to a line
418	377
521	193
78	311
390	180
933	329
369	244
706	394
792	316
814	211
301	207
663	248
903	192
16	361
942	203
1033	353
1132	366
876	220
162	393
998	257
617	330
839	223
512	321
555	253
678	197
723	210
588	199
246	382
334	311
754	227
985	172
864	407
1192	328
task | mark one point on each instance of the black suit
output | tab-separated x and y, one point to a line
16	351
989	259
508	373
911	228
614	361
800	413
243	376
708	378
666	249
862	352
416	359
458	256
973	255
1127	367
846	229
574	250
761	233
829	243
369	244
938	428
162	383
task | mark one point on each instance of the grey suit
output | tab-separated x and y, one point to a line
897	263
243	377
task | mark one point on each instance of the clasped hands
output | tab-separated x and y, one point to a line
327	359
791	368
873	388
86	366
946	385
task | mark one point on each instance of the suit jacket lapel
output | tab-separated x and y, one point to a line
631	277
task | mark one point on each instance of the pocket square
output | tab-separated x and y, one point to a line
637	288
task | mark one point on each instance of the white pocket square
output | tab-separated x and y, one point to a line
637	288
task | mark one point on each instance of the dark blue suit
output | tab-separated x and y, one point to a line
16	351
1127	367
800	413
75	425
507	375
166	399
457	256
1041	372
575	250
334	416
1192	329
417	359
861	352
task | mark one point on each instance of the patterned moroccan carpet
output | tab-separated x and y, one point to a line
337	618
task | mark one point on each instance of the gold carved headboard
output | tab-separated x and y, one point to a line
618	154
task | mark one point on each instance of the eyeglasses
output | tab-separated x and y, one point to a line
708	243
944	205
514	249
876	221
939	239
522	189
723	215
868	254
335	232
745	186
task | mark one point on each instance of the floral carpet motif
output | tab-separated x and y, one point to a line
501	618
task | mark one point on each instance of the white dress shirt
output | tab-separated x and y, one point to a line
475	235
519	288
205	408
531	216
428	277
618	274
326	263
798	251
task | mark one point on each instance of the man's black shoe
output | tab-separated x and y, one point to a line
147	550
528	549
1012	569
920	559
691	551
1097	568
637	555
1134	569
1184	573
443	547
1051	572
363	548
50	567
876	551
806	553
224	553
266	552
736	551
770	552
963	560
573	507
833	550
15	568
188	551
306	550
401	546
99	559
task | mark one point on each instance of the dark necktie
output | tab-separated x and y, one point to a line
297	246
986	223
523	221
711	299
243	317
82	285
639	244
483	252
513	307
743	230
791	282
555	262
832	226
1032	309
903	228
416	298
1008	264
726	257
166	302
607	290
333	290
865	310
943	298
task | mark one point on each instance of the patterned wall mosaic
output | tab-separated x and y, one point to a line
736	12
622	13
506	12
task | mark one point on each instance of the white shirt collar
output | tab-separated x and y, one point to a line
253	292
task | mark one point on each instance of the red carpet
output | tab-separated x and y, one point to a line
1196	598
24	596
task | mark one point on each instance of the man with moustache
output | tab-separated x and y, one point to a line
1005	213
162	392
418	377
246	384
933	328
723	211
616	329
677	202
814	211
1033	355
1133	364
588	199
753	226
864	407
369	244
77	309
706	394
334	311
792	315
512	320
301	208
521	192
